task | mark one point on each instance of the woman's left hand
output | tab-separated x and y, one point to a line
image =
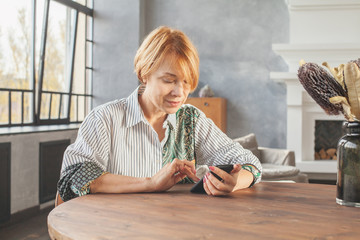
214	186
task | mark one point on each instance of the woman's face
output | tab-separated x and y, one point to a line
166	89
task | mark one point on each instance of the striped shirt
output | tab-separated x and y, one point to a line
117	138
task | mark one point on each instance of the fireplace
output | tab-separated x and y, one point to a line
313	40
327	135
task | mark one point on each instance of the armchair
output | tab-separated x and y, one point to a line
278	164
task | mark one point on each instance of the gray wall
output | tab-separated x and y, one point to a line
116	39
234	39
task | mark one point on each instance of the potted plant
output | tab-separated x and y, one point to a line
337	91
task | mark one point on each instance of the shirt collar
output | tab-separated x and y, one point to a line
134	112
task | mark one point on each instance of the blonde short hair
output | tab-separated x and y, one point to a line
164	41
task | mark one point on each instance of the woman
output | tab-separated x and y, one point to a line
146	142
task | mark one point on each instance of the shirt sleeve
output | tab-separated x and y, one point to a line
213	147
86	159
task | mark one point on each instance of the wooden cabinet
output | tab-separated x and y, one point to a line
214	108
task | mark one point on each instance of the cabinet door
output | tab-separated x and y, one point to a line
214	108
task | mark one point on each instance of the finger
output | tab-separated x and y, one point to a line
176	162
186	170
216	183
221	185
185	167
212	188
180	164
205	185
237	168
174	166
226	177
190	164
179	177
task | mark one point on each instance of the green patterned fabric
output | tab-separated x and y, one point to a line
181	142
251	168
76	180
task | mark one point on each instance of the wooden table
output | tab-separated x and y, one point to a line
267	211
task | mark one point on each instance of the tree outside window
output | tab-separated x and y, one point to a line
45	61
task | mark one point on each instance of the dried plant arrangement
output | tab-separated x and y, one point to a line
337	90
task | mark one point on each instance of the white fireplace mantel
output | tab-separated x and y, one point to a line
333	53
320	30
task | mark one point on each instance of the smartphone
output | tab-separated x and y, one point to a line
199	186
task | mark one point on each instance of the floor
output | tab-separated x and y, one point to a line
32	228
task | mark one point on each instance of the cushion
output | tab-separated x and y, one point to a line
249	142
277	171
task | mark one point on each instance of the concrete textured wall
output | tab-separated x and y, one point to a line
116	39
234	39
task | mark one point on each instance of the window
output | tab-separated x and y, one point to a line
45	61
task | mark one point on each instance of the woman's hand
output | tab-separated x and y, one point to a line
214	186
172	173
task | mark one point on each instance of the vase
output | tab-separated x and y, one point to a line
348	175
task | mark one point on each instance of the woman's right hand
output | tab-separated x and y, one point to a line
172	173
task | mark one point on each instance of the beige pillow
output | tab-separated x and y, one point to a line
249	142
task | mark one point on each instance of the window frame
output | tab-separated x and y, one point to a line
37	89
88	12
